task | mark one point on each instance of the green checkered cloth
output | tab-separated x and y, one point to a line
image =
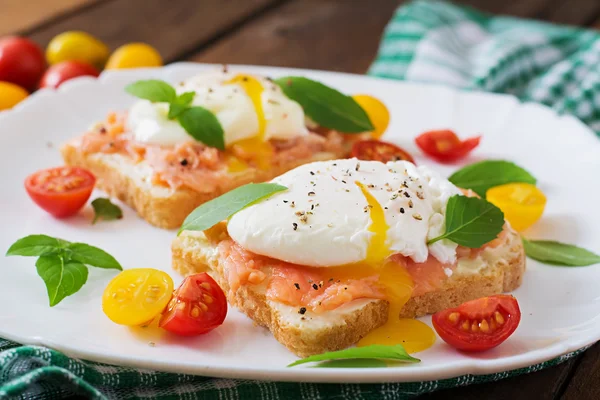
425	41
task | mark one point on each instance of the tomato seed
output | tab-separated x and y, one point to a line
207	299
465	325
499	318
205	285
203	306
195	312
453	317
484	326
475	327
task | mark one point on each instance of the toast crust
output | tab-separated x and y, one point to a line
193	253
169	212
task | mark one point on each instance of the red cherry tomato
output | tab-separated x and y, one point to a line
61	191
198	306
480	324
376	150
445	146
22	62
62	72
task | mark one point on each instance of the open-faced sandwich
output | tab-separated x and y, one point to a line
346	252
176	148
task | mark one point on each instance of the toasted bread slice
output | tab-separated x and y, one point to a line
119	176
493	271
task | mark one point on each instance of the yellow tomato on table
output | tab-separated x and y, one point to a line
377	112
11	95
77	46
522	203
134	55
137	296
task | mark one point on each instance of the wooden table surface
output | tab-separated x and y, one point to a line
339	35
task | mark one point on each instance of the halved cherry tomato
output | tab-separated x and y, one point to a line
522	203
59	73
376	150
480	324
22	62
198	306
61	191
445	146
377	112
137	296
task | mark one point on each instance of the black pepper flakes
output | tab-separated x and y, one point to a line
102	130
401	210
311	193
183	162
297	285
406	195
312	173
302	310
410	204
357	167
295	225
315	286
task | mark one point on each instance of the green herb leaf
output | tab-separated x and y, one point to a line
62	278
36	245
216	210
484	175
353	363
556	253
471	221
375	351
90	255
203	126
180	104
326	106
155	90
106	210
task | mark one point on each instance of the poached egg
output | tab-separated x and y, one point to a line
349	211
247	107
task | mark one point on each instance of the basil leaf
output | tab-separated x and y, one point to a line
106	210
62	278
203	126
557	253
375	351
326	106
155	90
180	104
471	221
484	175
36	245
90	255
216	210
353	363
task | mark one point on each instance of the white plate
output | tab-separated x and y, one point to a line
561	306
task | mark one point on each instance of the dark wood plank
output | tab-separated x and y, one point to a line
572	12
15	17
321	34
585	383
173	27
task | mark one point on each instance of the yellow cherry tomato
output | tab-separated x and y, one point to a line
377	112
11	95
77	46
134	55
137	296
522	203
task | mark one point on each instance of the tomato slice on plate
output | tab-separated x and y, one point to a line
136	296
480	324
445	146
61	191
198	306
376	150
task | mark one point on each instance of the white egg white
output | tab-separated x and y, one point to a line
231	105
323	219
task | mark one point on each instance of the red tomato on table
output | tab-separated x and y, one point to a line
63	71
22	62
61	191
198	306
480	324
377	150
445	146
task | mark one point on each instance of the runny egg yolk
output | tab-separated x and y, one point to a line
260	149
414	335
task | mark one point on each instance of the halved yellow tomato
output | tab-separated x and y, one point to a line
377	112
522	203
137	296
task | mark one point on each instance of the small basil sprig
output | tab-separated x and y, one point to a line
556	253
62	264
326	106
199	122
106	210
471	221
216	210
484	175
361	356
